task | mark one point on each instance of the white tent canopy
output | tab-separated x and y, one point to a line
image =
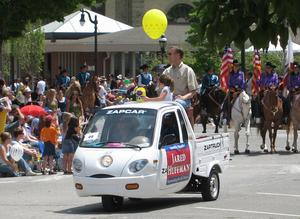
278	48
71	28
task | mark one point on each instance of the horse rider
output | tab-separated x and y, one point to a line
210	81
293	84
268	80
236	86
83	76
185	81
145	78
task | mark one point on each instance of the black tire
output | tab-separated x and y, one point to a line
112	203
211	186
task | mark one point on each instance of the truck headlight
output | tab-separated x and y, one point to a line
137	165
77	165
106	161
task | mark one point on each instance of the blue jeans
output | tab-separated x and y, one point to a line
7	170
185	103
24	165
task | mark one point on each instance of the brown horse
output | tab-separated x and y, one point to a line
89	94
272	115
294	121
210	105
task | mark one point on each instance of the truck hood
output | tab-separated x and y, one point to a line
94	168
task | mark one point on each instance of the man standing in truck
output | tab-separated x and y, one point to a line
185	81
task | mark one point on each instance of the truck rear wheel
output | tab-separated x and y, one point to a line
112	203
211	186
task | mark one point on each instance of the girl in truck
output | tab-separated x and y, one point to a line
166	84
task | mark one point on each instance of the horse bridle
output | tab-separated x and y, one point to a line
271	111
241	103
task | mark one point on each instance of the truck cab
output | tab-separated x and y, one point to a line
147	150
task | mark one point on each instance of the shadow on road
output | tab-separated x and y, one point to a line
261	153
136	206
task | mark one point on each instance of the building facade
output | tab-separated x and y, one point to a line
131	11
121	60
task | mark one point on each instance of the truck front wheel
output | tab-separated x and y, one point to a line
112	203
211	186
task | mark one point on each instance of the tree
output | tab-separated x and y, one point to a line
15	15
222	22
203	57
29	49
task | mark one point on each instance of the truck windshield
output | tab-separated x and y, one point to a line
120	128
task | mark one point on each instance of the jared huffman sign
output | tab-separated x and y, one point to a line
179	163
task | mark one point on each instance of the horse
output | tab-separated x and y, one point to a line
89	94
241	114
294	120
213	100
272	115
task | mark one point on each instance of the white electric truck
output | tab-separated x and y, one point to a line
147	150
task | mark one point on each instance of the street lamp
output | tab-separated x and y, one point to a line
95	22
163	44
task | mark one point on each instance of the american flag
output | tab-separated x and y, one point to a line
227	60
256	71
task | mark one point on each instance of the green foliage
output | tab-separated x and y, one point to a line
6	51
203	55
151	59
15	15
222	22
202	59
29	50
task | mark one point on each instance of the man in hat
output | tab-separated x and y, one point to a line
145	78
236	86
210	81
83	76
120	81
269	78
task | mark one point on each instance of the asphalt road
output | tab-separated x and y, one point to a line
255	186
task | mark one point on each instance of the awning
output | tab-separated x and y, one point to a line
70	28
132	40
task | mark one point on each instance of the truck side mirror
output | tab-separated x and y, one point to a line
168	140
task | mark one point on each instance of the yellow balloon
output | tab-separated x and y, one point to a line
155	23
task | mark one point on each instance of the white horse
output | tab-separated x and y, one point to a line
241	114
295	122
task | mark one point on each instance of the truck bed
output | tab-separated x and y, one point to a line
210	150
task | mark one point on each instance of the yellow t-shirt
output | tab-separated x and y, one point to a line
3	115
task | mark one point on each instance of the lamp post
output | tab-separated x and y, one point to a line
95	22
162	43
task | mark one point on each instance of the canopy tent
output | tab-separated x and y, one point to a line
278	48
70	28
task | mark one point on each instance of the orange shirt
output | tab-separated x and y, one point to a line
49	134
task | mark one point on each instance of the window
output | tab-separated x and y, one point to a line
183	127
169	127
179	14
121	126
